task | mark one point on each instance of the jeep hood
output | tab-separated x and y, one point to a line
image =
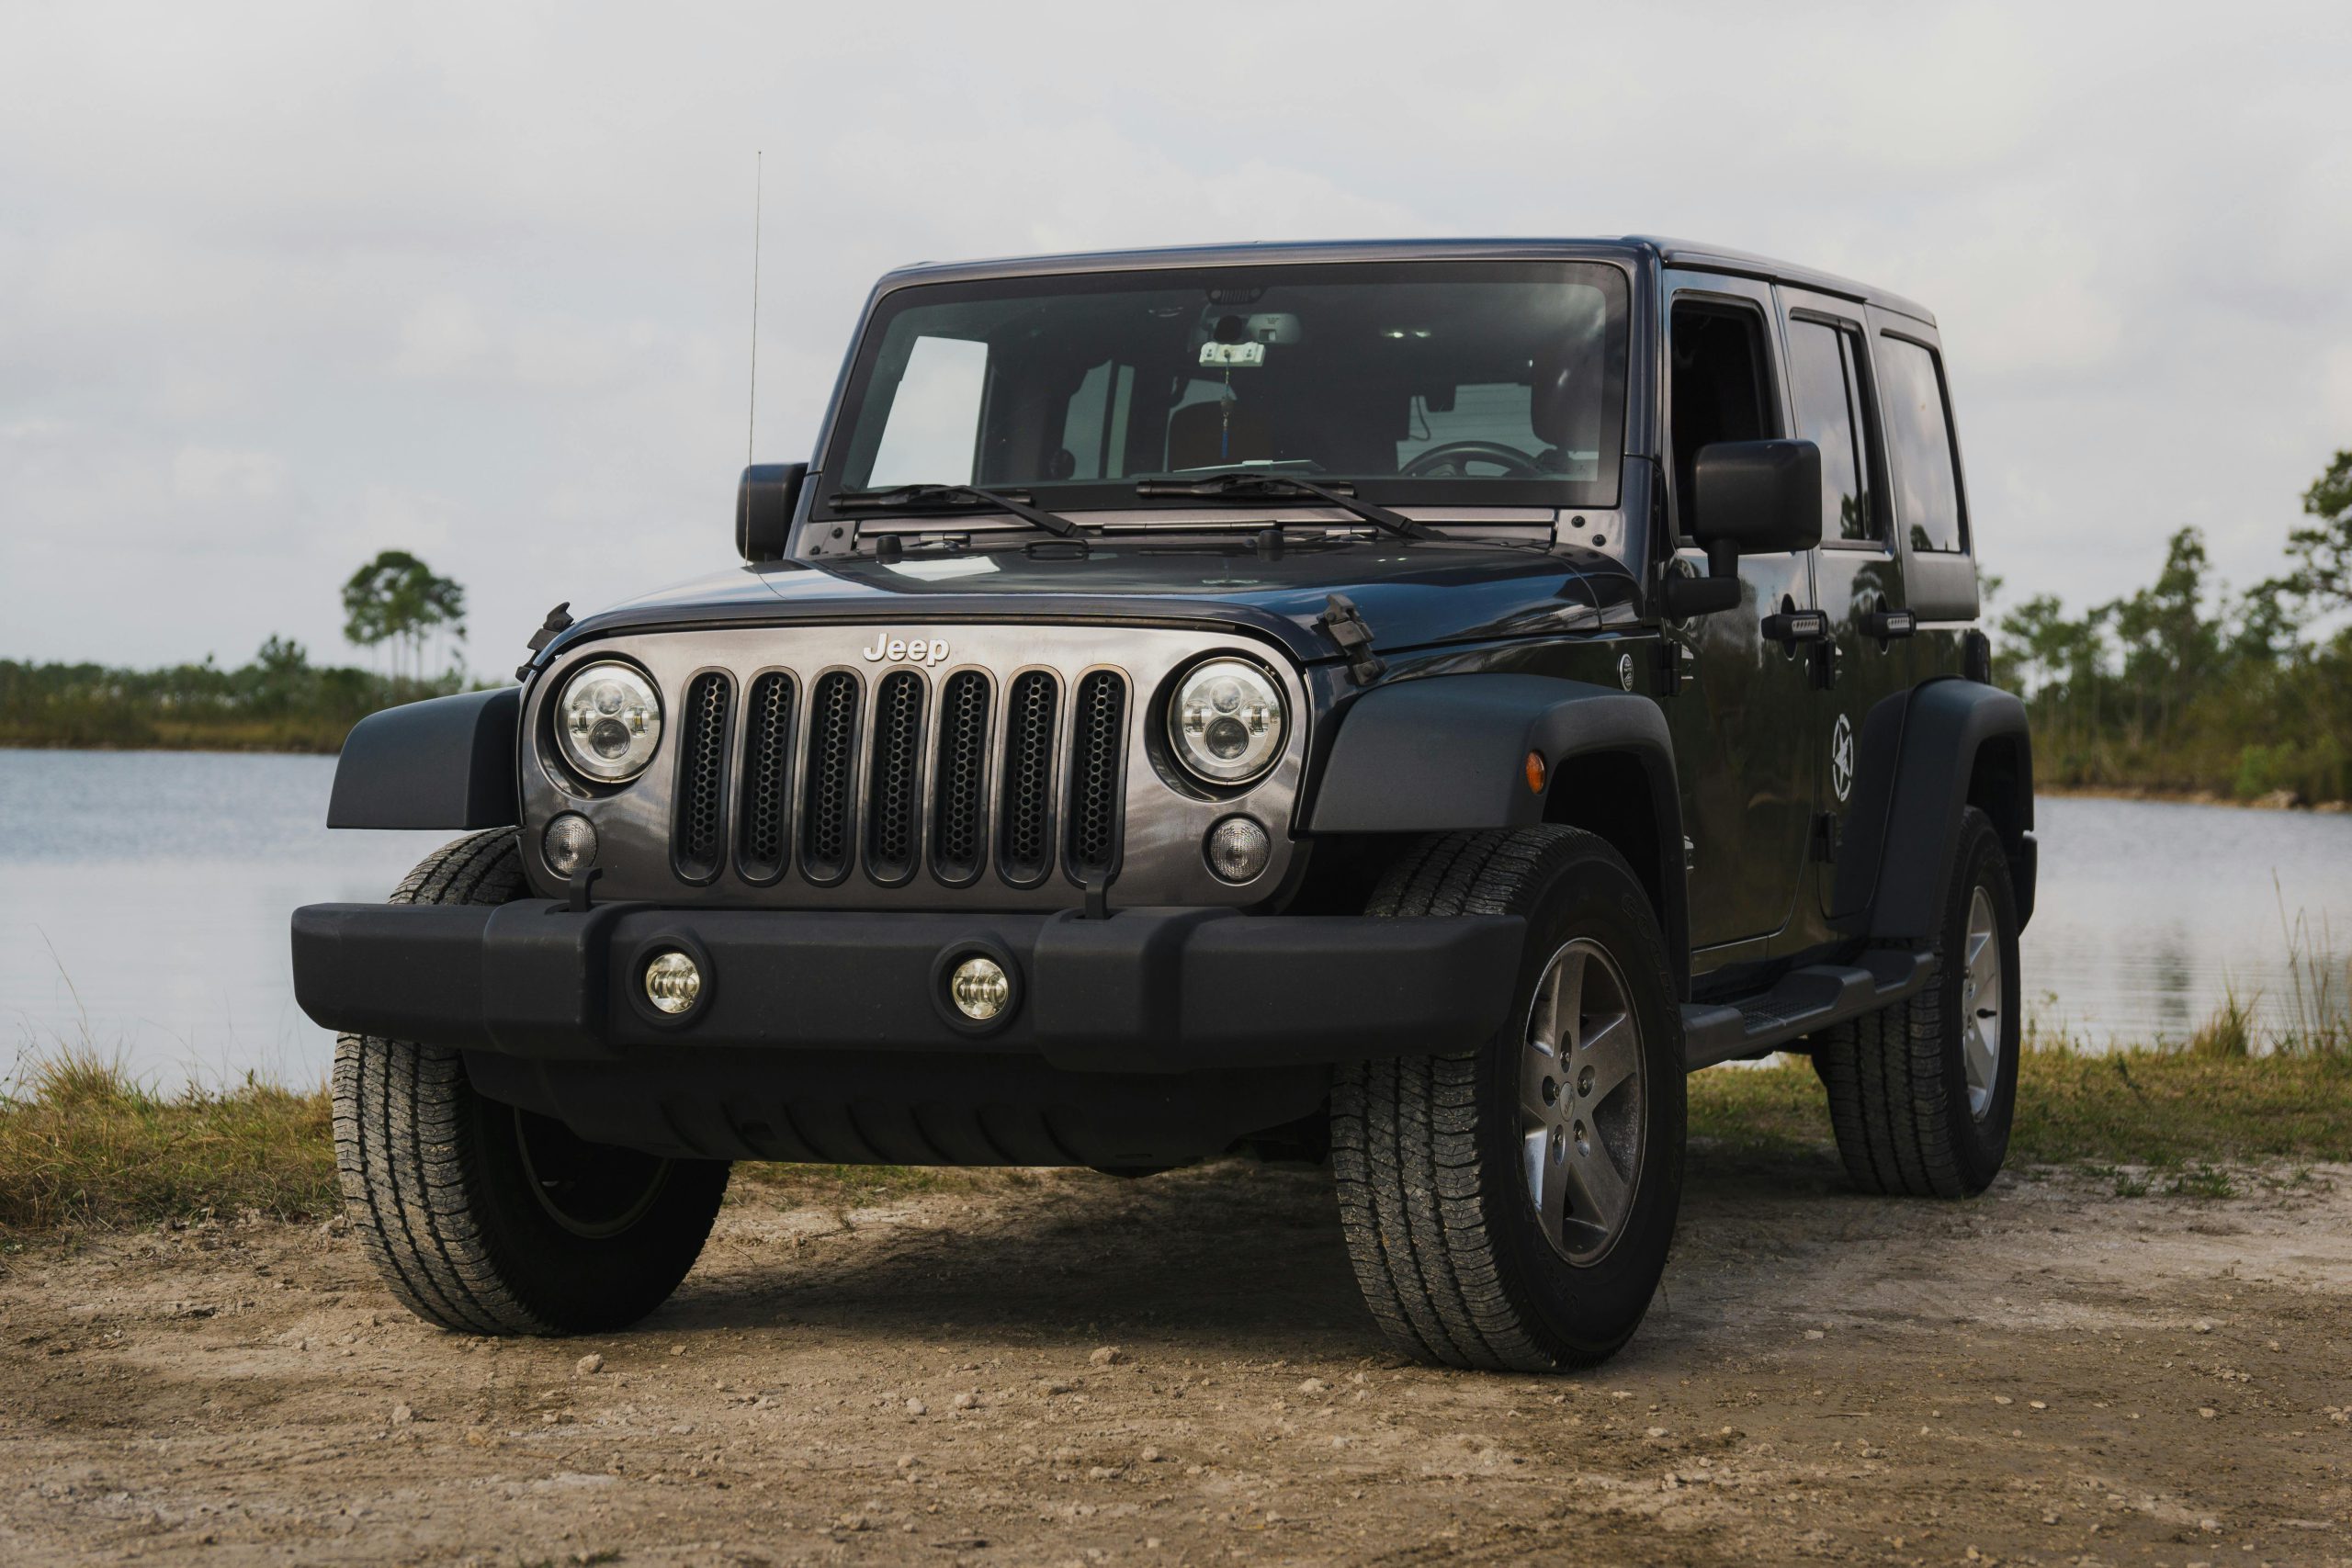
1413	595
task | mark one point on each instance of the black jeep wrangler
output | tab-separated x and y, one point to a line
1402	703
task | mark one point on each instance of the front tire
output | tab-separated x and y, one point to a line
487	1219
1510	1208
1922	1093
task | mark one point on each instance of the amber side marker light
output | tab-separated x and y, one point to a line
1536	773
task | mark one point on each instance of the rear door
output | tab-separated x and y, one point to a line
1858	575
1742	726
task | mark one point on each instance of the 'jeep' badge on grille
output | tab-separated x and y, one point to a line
901	651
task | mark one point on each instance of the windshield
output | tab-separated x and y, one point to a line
1428	383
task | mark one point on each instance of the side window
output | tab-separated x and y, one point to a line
1918	436
1823	382
1720	392
935	421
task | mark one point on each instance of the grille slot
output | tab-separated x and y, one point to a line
700	831
763	840
1098	747
959	780
894	793
825	789
1024	839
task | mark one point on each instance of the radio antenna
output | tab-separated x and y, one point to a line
751	420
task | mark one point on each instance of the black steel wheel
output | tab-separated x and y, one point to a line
1511	1207
492	1220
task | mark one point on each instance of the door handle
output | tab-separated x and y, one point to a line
1791	627
1888	624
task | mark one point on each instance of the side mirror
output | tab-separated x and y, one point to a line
1754	498
764	501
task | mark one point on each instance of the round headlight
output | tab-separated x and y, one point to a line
1227	722
608	721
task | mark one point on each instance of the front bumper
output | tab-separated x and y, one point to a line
1142	991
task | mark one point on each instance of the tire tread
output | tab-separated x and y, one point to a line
1413	1192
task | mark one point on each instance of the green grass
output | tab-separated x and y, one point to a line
2168	1109
83	1146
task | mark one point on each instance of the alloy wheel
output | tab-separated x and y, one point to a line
1580	1102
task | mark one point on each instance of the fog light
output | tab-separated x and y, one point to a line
979	989
672	981
1236	849
569	844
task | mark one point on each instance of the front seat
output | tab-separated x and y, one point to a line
1216	435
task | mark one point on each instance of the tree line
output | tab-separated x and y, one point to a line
2185	685
2182	685
279	701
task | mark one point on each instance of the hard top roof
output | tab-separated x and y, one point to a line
1629	248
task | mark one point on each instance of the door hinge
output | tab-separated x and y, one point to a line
1673	663
1345	625
1828	659
1824	838
1690	852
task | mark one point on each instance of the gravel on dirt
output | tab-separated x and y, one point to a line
1071	1369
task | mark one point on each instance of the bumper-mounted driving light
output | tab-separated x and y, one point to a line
980	989
672	983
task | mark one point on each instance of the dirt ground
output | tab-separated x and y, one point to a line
1073	1369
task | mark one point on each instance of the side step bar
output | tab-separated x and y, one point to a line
1804	1000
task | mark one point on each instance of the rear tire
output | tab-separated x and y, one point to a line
1922	1093
1482	1232
488	1219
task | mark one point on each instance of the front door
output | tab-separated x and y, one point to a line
1863	667
1742	724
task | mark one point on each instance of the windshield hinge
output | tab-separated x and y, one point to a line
1345	625
557	619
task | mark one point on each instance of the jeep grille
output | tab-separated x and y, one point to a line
1008	769
702	778
958	824
833	753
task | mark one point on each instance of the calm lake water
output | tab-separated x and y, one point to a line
143	900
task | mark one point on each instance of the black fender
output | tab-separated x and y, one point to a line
1448	753
445	762
1960	743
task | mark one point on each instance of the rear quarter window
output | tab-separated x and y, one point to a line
1918	438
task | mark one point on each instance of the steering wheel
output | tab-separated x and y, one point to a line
1455	457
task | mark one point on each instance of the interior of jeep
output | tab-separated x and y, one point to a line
1719	386
1467	373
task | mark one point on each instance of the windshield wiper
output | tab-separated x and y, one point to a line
1260	487
931	495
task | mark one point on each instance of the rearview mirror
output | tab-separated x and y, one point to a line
1753	497
765	500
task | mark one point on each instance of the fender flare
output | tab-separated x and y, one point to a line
1947	726
446	763
1448	753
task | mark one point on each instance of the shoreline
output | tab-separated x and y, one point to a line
15	745
2276	800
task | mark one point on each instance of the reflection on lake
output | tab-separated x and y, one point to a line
2150	911
148	892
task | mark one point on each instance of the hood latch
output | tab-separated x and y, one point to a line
1345	625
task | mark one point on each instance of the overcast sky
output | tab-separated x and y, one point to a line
282	287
